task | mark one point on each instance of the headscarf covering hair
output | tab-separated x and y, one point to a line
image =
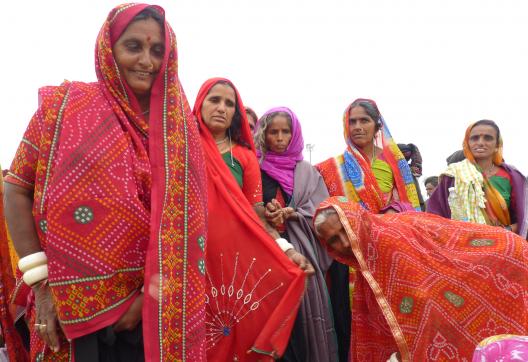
246	138
359	171
498	208
239	248
280	166
497	156
142	172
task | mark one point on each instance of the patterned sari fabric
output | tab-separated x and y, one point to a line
503	348
119	202
253	291
428	287
15	348
350	174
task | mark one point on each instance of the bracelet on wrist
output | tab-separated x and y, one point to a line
32	260
35	275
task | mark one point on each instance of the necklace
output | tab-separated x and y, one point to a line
221	141
373	155
490	170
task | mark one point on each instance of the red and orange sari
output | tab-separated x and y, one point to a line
119	202
253	291
430	288
13	342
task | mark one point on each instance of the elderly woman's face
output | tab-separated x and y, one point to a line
218	108
334	235
362	128
139	55
278	134
483	142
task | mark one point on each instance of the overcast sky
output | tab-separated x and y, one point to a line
433	67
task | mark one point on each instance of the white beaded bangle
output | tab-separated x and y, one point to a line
32	260
36	275
284	244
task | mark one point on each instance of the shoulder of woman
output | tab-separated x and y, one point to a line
512	170
244	154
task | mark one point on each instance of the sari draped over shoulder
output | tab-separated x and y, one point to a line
313	337
430	288
351	175
253	291
119	202
466	193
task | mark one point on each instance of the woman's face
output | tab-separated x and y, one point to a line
139	55
334	235
252	121
483	142
362	128
218	108
278	134
429	188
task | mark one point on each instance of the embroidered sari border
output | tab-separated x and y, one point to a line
378	293
94	278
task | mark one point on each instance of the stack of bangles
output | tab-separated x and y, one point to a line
34	267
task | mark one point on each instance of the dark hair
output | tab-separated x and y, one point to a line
235	130
412	153
433	180
251	112
370	109
151	12
455	157
488	122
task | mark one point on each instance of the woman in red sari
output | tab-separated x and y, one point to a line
105	199
428	289
373	172
253	290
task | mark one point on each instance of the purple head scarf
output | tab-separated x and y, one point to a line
281	166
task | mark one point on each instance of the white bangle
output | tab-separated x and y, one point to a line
32	260
284	244
35	275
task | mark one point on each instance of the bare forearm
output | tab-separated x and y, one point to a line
259	209
18	204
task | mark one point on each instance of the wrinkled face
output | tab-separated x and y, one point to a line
218	108
362	128
429	188
278	134
139	55
483	142
334	235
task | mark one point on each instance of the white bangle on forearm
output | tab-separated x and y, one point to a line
35	275
284	244
32	260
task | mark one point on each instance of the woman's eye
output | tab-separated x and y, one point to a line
133	46
158	51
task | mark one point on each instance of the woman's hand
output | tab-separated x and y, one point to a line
276	214
301	261
132	316
273	213
46	323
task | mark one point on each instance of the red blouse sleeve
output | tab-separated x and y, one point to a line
252	181
24	166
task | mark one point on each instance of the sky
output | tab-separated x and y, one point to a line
433	67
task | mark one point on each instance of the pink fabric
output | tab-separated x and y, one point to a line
502	348
281	166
